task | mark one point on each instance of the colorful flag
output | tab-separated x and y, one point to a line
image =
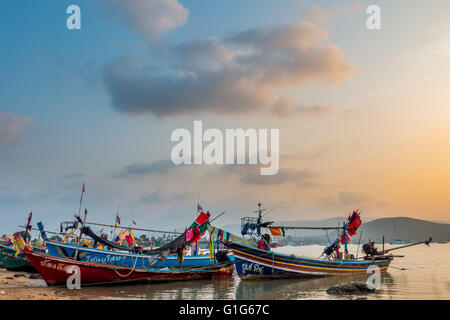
84	189
20	244
117	221
129	237
343	237
211	243
67	236
261	245
41	230
119	238
189	234
354	222
28	227
201	219
277	231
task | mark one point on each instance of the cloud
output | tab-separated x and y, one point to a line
42	131
73	175
282	108
138	169
150	18
157	197
250	175
345	198
346	113
315	14
348	198
236	75
304	155
12	127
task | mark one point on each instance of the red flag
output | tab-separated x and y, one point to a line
202	218
343	236
84	189
189	234
195	235
354	225
28	227
261	246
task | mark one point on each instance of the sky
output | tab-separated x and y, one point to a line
363	114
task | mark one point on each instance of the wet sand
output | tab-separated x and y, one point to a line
17	285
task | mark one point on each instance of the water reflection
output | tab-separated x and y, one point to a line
422	279
289	289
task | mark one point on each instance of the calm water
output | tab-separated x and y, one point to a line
427	276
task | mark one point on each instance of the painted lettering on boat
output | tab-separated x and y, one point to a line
252	268
56	266
108	259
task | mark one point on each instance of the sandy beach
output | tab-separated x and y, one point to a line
16	285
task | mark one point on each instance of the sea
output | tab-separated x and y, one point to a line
423	273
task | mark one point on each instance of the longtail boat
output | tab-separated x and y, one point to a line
169	255
254	259
13	262
54	270
123	258
256	263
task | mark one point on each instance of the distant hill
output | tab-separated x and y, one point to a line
407	229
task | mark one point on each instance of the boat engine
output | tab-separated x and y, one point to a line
369	249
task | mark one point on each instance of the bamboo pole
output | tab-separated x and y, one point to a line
50	232
308	228
427	242
359	242
139	229
81	233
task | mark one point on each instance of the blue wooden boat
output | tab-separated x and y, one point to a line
255	259
123	258
252	262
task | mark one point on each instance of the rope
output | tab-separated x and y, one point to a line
129	273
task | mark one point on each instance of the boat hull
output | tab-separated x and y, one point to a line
12	262
253	263
54	271
122	259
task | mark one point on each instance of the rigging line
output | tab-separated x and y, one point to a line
139	229
131	271
309	228
270	210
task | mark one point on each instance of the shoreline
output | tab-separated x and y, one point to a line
17	285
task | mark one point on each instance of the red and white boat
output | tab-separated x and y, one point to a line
55	271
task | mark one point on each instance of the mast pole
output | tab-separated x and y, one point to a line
345	239
359	242
81	233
